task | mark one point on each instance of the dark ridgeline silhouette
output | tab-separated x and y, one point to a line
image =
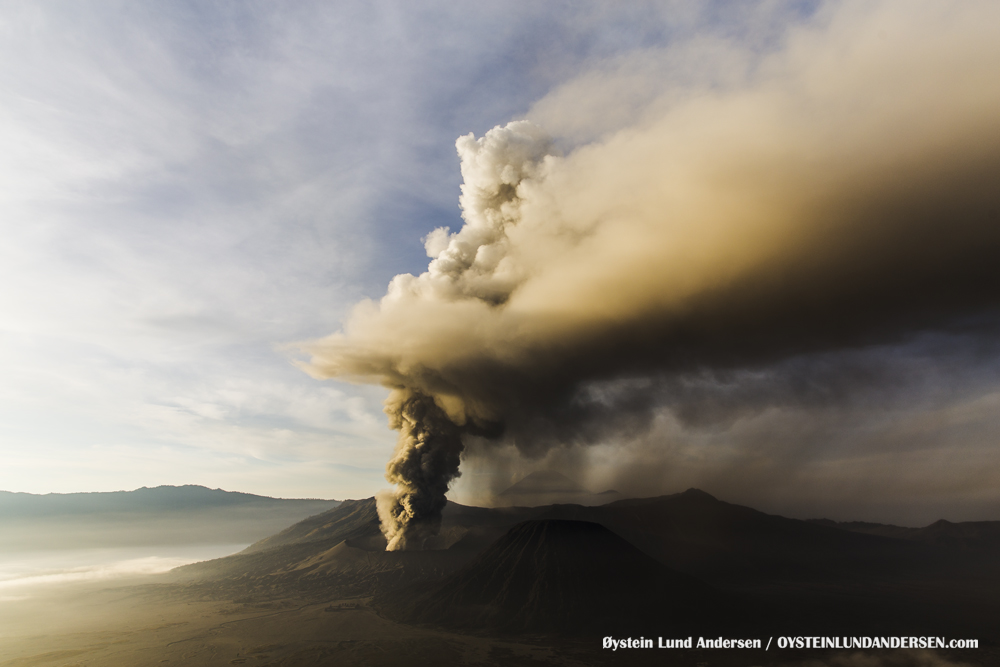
352	519
647	565
973	535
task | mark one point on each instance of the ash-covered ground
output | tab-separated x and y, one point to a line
540	585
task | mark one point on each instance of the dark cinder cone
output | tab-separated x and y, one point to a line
560	575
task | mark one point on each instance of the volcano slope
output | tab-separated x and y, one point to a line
558	576
797	576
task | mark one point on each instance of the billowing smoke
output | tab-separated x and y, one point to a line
425	462
843	194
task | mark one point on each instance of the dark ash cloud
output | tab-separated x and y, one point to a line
843	197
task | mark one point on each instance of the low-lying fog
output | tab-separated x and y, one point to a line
25	574
70	563
43	589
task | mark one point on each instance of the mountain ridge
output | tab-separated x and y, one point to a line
802	576
164	515
975	535
164	497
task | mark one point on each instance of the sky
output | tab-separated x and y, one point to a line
194	197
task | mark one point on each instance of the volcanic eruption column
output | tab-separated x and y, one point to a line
842	195
425	462
467	269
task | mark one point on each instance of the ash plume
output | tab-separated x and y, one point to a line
844	194
425	462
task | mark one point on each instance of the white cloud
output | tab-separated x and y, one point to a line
184	186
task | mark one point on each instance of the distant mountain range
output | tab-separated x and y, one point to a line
976	535
174	515
489	568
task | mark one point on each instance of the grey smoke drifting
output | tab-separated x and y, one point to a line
843	195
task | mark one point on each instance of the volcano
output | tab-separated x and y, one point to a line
560	576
